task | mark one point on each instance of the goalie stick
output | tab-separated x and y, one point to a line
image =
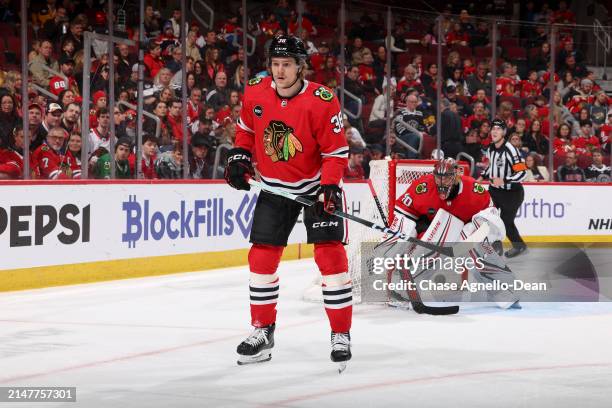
447	251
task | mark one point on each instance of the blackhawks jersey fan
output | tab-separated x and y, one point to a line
292	130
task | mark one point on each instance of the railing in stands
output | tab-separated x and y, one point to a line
225	147
470	159
207	24
44	91
604	39
406	145
359	106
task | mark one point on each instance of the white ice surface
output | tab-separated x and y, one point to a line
170	342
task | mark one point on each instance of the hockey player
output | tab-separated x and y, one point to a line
292	129
459	195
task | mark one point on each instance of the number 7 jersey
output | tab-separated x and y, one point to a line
297	143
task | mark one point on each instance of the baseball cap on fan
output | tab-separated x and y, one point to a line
54	107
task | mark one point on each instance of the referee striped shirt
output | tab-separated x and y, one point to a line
505	163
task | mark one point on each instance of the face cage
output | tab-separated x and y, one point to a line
445	188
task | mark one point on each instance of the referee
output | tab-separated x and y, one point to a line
505	172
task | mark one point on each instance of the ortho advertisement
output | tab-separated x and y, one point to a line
64	224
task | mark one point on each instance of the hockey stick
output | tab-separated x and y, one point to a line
385	230
413	295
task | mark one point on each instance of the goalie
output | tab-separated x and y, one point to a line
446	206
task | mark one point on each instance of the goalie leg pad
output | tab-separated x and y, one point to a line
263	283
336	286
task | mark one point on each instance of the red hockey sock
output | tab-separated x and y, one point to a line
263	283
337	287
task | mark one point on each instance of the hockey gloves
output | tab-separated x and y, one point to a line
239	169
332	199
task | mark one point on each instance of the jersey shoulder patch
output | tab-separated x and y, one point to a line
255	81
478	188
421	188
323	93
44	148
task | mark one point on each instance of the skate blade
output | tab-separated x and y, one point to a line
341	367
257	358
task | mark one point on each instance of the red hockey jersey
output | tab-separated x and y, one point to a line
49	164
11	163
298	143
421	199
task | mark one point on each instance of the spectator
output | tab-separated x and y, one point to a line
479	114
175	20
563	141
566	51
410	80
366	71
354	170
219	95
65	98
472	144
169	165
41	64
567	84
429	81
579	70
125	63
294	24
51	119
212	66
598	110
160	109
17	140
515	140
457	82
506	83
414	119
452	94
531	87
68	49
194	107
74	145
200	166
52	29
175	120
270	25
151	22
534	171
58	84
8	118
458	36
481	96
534	140
520	128
149	155
352	134
11	164
484	133
586	141
356	50
329	75
35	113
71	117
481	79
192	49
540	59
505	113
480	37
100	135
598	171
378	115
75	34
99	101
238	79
49	161
176	62
570	172
153	60
452	134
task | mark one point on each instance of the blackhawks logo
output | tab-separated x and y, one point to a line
324	94
479	189
254	81
421	188
279	141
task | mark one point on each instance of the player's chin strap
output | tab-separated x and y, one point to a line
447	251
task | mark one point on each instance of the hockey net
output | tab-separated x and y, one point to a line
389	179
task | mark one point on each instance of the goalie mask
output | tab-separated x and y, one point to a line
445	176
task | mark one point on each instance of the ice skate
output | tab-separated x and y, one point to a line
341	349
257	348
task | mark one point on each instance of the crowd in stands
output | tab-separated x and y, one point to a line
582	119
